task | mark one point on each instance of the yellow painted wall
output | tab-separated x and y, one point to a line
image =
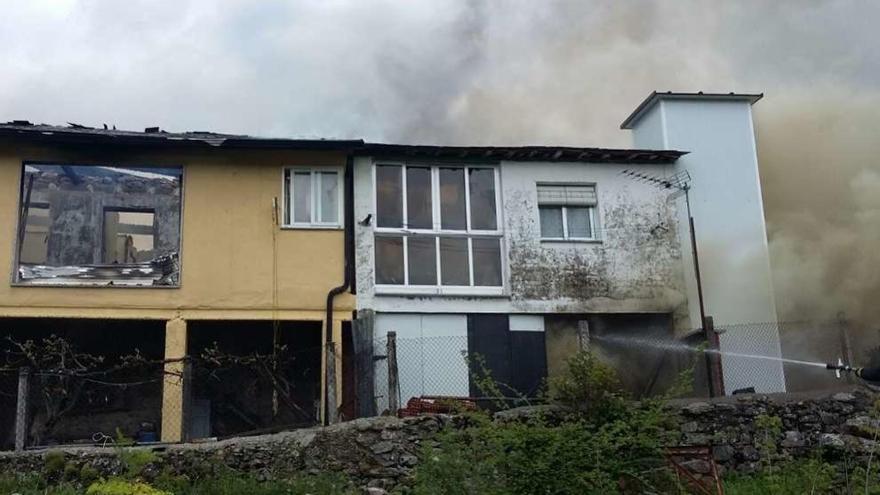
226	249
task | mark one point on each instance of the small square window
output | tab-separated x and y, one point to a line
567	211
313	198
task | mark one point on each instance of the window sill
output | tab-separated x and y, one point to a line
103	284
399	290
572	241
311	227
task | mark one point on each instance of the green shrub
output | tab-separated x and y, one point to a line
53	465
607	443
135	460
589	387
71	471
123	487
88	474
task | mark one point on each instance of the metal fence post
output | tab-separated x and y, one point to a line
186	402
22	409
713	360
393	388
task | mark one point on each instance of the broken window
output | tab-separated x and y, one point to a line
313	198
99	225
567	211
437	227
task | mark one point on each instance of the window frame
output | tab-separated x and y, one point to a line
288	202
594	227
437	232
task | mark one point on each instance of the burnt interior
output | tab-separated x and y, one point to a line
99	225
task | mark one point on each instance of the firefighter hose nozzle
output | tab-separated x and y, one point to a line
840	367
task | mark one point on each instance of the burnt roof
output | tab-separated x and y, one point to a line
520	153
153	136
655	97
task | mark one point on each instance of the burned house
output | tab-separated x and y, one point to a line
177	249
265	275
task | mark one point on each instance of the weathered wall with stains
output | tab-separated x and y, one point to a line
635	267
235	263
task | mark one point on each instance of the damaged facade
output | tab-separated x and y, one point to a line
518	255
168	245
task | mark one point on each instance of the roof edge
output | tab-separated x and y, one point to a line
655	97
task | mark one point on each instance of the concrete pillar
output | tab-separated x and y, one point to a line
174	384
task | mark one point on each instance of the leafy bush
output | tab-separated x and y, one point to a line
135	460
607	445
53	465
123	487
589	387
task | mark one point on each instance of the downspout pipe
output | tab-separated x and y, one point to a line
348	277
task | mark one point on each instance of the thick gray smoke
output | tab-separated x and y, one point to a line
503	72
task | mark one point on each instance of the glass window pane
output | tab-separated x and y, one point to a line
482	185
422	260
454	268
329	197
389	260
452	205
551	221
579	222
487	262
302	197
418	197
389	196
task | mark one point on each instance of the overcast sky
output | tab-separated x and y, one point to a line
450	71
494	72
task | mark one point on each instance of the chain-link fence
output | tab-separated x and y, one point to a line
761	357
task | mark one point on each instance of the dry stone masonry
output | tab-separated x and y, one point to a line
380	453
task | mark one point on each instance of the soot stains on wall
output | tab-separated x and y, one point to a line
634	266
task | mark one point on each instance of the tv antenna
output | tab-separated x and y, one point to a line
680	185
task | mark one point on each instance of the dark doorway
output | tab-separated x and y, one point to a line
254	376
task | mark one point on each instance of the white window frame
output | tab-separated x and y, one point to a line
594	227
437	232
314	201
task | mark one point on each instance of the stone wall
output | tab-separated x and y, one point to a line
837	426
381	452
376	453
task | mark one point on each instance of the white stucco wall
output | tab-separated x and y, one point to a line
634	267
731	233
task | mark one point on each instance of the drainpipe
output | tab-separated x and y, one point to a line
348	202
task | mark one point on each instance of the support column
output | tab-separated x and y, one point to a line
176	383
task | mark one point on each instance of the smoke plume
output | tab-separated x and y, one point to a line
501	72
